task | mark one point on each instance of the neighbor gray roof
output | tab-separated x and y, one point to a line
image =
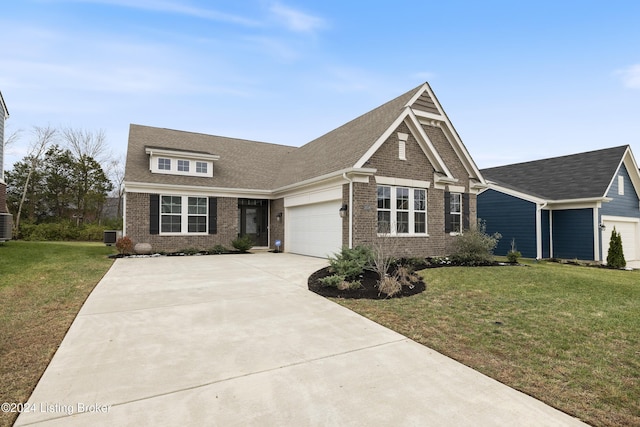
258	165
576	176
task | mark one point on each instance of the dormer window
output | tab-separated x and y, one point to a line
181	162
164	164
201	167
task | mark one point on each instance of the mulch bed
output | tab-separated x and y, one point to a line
369	289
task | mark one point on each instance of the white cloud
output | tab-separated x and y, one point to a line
630	76
177	7
296	20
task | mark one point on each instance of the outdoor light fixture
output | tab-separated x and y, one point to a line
343	211
279	217
602	227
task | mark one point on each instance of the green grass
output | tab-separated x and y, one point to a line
567	335
42	287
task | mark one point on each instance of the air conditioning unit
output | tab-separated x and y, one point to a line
111	236
6	223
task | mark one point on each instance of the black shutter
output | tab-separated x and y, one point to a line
465	211
448	226
154	214
213	215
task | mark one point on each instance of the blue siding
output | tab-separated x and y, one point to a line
546	240
625	205
513	218
573	234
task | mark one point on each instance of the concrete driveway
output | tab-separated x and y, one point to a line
238	340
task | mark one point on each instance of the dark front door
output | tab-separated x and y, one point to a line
253	221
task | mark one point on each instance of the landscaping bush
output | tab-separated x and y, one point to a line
615	256
474	246
124	245
514	254
243	244
219	249
389	285
332	281
350	263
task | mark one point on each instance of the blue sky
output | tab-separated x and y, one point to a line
520	80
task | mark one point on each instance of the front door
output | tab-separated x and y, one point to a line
253	223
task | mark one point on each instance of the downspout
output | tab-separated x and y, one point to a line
350	209
539	250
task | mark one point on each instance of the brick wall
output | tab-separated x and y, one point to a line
138	226
417	167
276	228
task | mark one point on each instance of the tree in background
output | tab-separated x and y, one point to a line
615	257
43	136
59	185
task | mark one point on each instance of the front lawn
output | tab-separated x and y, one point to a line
567	335
42	287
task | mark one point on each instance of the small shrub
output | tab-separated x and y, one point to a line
389	285
474	246
333	281
219	249
243	244
615	256
124	245
405	276
513	256
350	263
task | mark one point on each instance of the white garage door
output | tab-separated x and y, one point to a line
629	231
314	229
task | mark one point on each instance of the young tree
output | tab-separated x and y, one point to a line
615	256
42	137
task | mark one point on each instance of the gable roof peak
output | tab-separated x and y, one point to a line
573	176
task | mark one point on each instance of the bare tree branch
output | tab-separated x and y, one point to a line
43	136
84	143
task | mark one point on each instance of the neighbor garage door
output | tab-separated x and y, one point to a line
314	229
630	233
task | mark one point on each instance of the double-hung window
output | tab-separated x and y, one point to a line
171	214
455	210
402	210
197	219
174	218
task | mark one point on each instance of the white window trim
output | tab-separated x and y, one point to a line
184	216
456	233
173	157
394	211
620	185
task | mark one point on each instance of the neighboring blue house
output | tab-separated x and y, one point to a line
565	207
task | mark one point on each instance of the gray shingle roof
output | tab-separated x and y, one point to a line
258	165
576	176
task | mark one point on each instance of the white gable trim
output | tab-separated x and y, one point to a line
632	169
424	142
452	136
514	193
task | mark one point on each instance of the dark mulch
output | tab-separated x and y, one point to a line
368	290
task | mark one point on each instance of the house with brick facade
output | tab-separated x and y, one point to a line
398	172
6	220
